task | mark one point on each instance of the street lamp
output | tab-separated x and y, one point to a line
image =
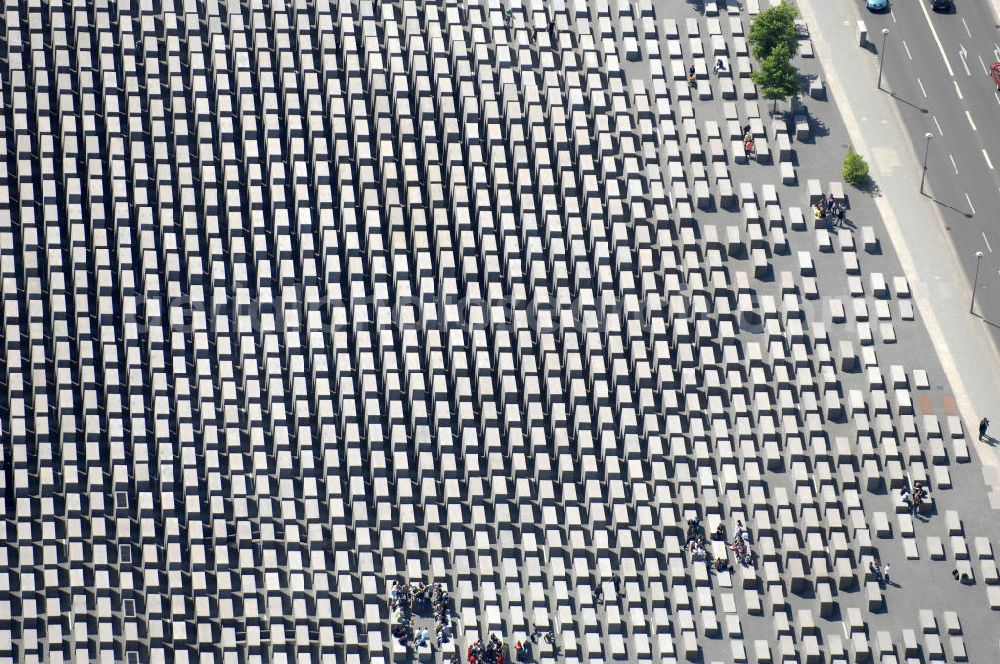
881	56
975	283
927	148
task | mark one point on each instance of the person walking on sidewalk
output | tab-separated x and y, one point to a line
885	573
984	426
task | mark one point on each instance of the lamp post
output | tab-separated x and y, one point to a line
927	148
975	282
881	56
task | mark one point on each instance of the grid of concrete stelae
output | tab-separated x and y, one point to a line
301	298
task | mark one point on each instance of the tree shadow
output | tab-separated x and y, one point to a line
817	128
870	187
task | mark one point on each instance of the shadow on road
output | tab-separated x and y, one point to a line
991	324
990	440
967	215
905	101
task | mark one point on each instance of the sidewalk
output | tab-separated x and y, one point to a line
940	289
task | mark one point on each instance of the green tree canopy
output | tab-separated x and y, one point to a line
855	170
777	78
773	27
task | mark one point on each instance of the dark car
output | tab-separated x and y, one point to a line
942	5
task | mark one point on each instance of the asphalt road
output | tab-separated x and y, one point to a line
936	66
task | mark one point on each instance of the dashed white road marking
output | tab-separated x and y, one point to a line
938	124
969	116
944	56
997	95
958	90
986	156
966	28
962	53
954	165
907	49
969	201
987	243
924	92
986	70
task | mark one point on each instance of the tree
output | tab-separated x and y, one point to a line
855	170
772	27
777	77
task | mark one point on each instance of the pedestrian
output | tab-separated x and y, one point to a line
840	214
598	595
984	425
885	573
719	66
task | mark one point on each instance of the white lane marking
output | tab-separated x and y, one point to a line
997	96
986	70
954	165
966	28
987	243
892	14
958	90
971	207
907	49
969	116
938	125
962	53
922	87
986	156
923	7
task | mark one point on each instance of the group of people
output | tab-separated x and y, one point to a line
829	208
493	651
697	544
416	598
508	19
747	142
695	535
913	499
720	66
881	574
741	545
